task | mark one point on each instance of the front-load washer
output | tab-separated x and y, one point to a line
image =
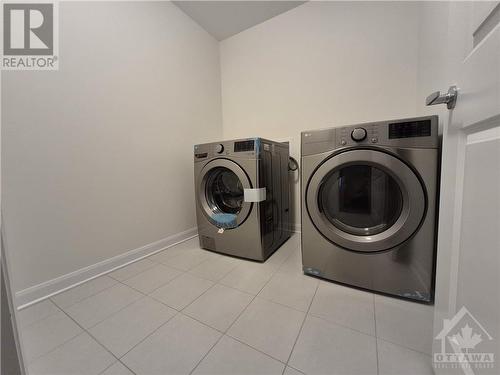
369	197
242	196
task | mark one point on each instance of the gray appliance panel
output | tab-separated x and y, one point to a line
264	226
322	140
406	270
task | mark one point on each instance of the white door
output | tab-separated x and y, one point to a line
468	260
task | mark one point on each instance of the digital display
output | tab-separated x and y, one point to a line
242	146
410	129
201	156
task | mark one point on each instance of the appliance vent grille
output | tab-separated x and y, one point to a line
207	243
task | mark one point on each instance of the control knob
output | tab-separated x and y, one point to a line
219	148
358	134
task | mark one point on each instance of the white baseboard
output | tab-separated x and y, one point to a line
37	293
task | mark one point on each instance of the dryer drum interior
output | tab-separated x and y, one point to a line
360	199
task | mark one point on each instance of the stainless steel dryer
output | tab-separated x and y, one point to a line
242	196
369	197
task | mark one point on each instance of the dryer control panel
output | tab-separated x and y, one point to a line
413	132
417	132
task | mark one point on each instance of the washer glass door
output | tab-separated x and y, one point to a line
224	191
221	193
365	200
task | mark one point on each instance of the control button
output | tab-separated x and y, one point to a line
358	134
374	140
343	142
219	148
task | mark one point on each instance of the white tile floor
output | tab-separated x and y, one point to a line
186	310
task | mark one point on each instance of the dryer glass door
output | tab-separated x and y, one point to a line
365	200
360	199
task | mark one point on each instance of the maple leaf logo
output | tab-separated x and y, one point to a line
466	340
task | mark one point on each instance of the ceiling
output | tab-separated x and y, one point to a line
223	19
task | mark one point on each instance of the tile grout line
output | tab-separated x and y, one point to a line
228	328
275	271
131	264
105	273
155	289
340	325
22	328
83	299
405	347
128	368
100	291
54	348
214	281
197	298
117	311
117	282
206	354
103	371
108	274
375	327
389	341
177	313
141	341
256	349
180	312
114	363
87	331
178	255
84	330
301	326
223	334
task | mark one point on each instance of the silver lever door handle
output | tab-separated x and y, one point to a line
450	98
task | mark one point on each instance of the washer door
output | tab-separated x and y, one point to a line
365	200
221	190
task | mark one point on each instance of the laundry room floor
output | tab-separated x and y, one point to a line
186	310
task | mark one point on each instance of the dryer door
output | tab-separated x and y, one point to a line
222	191
365	200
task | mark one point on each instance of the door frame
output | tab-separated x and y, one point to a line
474	121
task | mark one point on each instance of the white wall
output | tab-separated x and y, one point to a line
432	74
97	157
321	64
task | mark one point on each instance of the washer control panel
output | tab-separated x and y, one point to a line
243	148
